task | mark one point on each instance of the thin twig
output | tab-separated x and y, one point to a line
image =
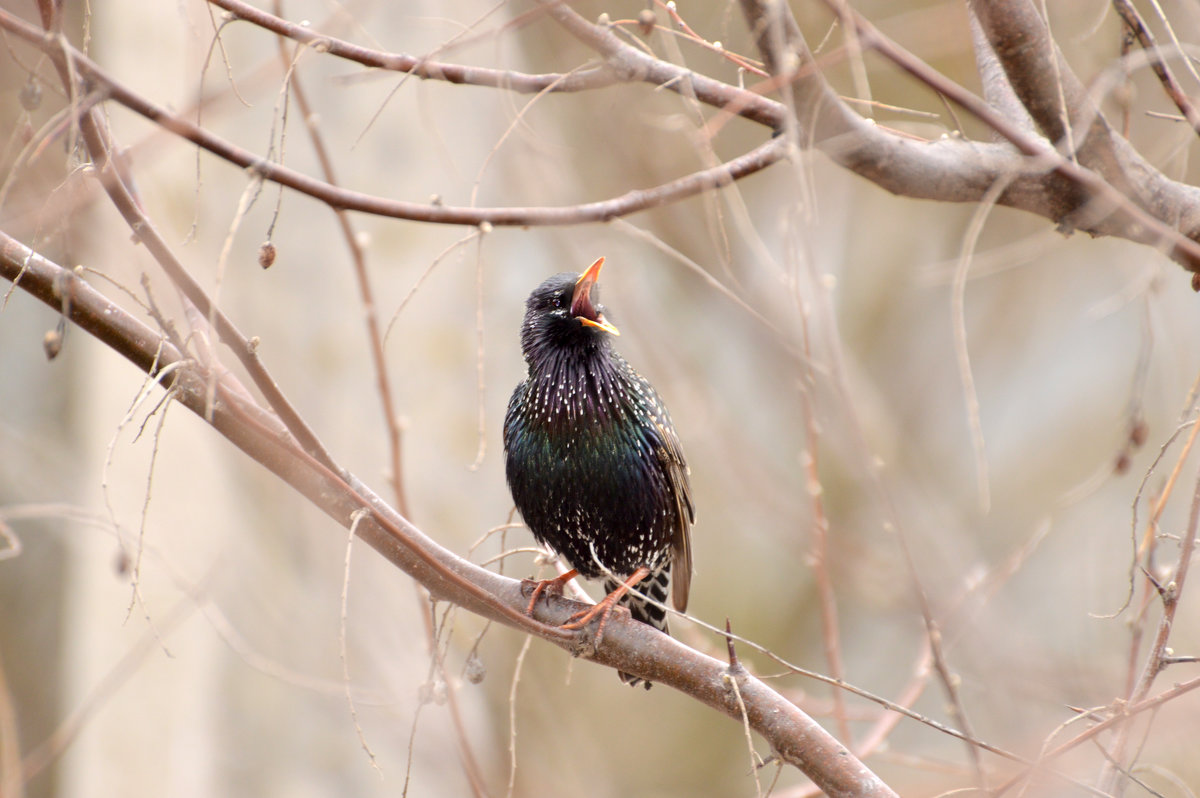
830	634
1118	713
424	68
383	382
343	647
630	202
1157	656
100	148
1137	26
962	350
518	667
49	749
779	37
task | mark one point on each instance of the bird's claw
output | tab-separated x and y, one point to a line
529	586
604	610
534	588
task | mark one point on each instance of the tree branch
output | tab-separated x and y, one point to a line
520	82
1049	89
997	91
1060	105
344	199
1152	209
627	645
948	169
1134	23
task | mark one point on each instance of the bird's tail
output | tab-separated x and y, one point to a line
655	587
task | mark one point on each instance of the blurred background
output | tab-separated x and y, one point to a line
222	674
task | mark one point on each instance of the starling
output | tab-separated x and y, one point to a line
592	459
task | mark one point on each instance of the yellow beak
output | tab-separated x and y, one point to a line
581	300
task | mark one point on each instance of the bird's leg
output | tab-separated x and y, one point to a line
555	586
605	607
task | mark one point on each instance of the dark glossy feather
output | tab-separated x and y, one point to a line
592	459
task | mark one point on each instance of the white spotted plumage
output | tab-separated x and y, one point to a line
592	459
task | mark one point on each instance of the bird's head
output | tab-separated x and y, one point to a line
563	312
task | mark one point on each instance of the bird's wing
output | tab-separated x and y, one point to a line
670	456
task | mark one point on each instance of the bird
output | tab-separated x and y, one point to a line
592	459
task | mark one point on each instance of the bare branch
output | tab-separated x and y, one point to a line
1138	202
358	257
523	83
1048	89
627	645
1159	654
339	198
947	169
1133	21
997	91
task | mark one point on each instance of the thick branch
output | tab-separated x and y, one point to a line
627	645
1062	107
997	91
1046	85
1048	88
1140	204
949	169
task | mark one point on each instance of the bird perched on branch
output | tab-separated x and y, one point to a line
593	461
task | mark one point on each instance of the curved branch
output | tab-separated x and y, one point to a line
1061	106
997	91
624	64
1048	88
520	82
627	645
344	199
1137	26
1138	203
949	169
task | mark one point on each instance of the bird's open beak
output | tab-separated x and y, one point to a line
581	301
